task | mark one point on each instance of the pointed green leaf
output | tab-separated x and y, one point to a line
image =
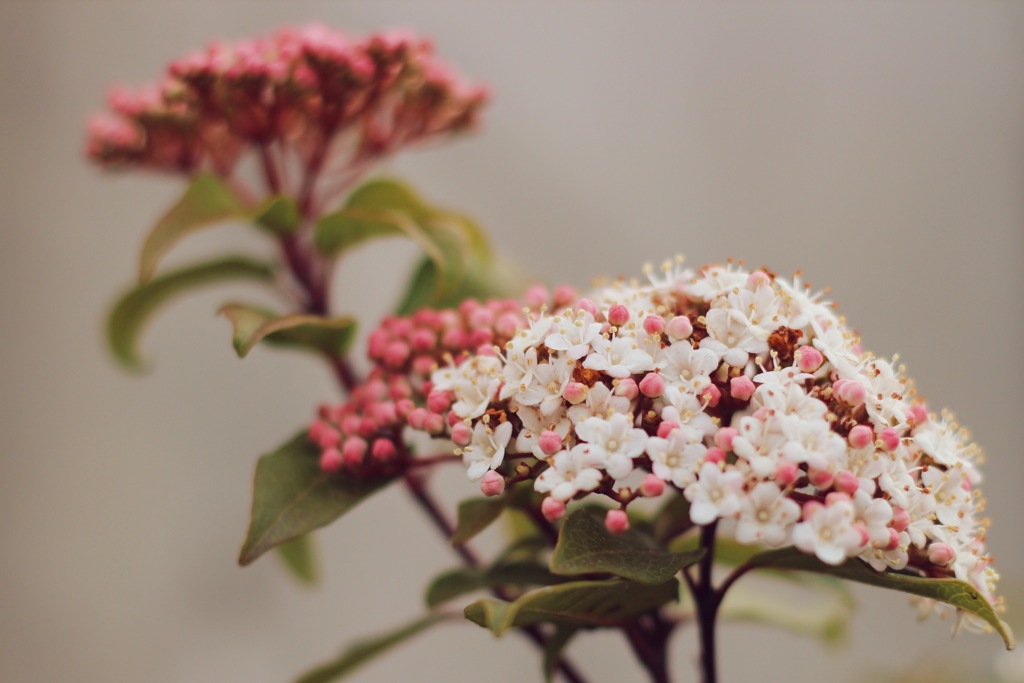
292	496
206	201
953	592
585	546
553	649
362	652
475	515
581	603
253	324
299	558
672	519
279	215
134	308
458	582
826	619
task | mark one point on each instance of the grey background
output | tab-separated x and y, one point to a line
876	145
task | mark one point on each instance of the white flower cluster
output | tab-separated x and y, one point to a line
745	393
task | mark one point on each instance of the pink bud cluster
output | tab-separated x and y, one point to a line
363	435
307	97
740	391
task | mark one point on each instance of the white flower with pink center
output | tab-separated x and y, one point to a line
715	493
614	442
487	450
828	532
570	472
676	457
766	515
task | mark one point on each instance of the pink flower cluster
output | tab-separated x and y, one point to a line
299	97
363	435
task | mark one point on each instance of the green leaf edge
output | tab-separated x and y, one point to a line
285	330
298	556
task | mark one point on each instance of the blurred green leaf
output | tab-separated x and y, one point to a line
293	496
278	215
299	558
253	324
475	515
824	618
206	201
553	649
135	307
362	652
585	546
458	582
577	603
672	519
959	594
483	278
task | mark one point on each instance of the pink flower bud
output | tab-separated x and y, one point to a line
808	358
626	387
865	538
455	339
724	437
396	353
536	296
462	434
399	388
715	455
588	306
900	519
550	442
757	279
850	392
482	337
861	436
383	413
652	385
328	437
846	482
330	460
834	497
575	392
368	427
616	521
404	406
918	413
679	327
377	342
353	451
810	508
711	395
890	438
453	418
941	554
618	315
820	478
507	324
786	473
383	450
652	486
422	339
654	324
552	509
417	417
423	365
438	401
894	540
563	295
481	318
433	423
493	484
666	427
350	425
741	388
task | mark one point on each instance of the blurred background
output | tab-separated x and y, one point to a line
877	146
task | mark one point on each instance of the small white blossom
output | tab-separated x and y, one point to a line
715	493
766	516
570	472
487	450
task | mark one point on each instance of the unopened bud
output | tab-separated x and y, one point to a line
616	521
550	442
652	486
741	388
679	327
493	484
552	509
652	385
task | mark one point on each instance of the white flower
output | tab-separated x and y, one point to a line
618	358
614	442
714	494
474	383
573	332
714	281
829	533
570	472
518	371
685	409
688	368
874	514
545	391
730	337
487	449
758	443
676	458
766	515
534	423
600	402
813	442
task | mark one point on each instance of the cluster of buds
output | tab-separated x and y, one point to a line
364	435
302	99
743	392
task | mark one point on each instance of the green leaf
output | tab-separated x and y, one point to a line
578	603
279	215
458	582
826	619
673	519
585	546
253	324
553	649
365	650
483	278
135	307
299	558
475	515
206	201
953	592
293	496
